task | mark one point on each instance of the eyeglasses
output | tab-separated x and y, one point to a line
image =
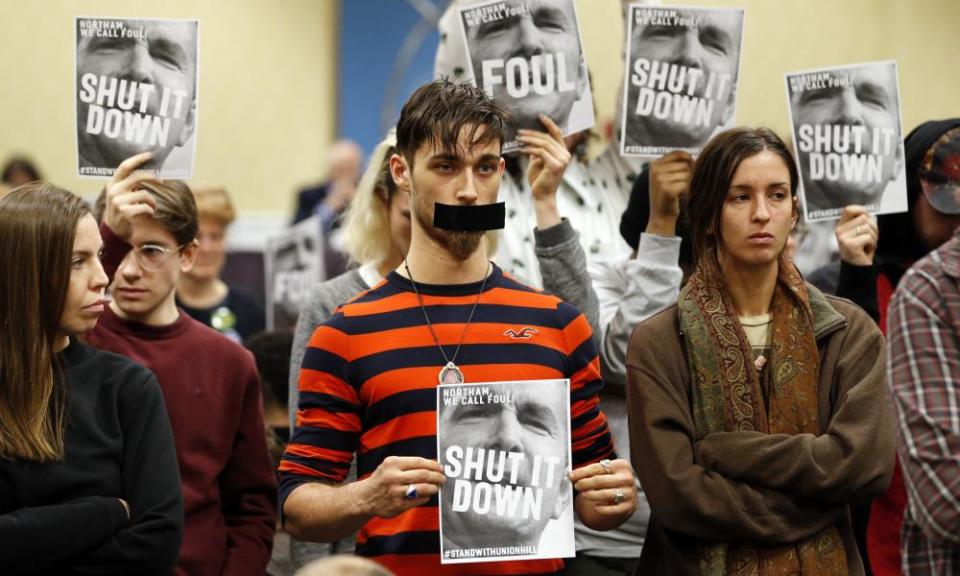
153	257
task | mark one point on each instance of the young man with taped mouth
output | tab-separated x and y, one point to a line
369	377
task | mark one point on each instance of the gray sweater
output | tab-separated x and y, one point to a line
563	267
324	299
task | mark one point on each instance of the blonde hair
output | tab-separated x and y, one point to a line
366	230
214	202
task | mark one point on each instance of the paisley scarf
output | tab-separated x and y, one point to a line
728	395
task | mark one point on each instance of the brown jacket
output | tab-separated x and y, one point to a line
751	486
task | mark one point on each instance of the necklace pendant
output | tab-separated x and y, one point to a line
450	374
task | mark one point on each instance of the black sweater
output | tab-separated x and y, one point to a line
65	517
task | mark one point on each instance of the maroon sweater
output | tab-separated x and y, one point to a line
212	394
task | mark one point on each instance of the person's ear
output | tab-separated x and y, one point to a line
189	124
188	256
400	172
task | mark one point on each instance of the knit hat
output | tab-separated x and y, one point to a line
900	242
932	152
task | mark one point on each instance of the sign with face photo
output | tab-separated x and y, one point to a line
293	264
528	56
848	138
505	450
136	87
680	84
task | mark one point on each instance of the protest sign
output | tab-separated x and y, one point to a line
293	265
682	72
505	450
136	87
528	56
848	138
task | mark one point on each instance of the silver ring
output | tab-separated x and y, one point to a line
606	466
411	493
618	496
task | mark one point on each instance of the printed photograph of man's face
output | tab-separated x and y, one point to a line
296	265
533	422
147	68
710	44
863	106
552	79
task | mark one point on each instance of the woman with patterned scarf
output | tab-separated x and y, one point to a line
758	407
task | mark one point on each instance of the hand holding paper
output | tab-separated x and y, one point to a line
504	447
125	200
857	236
669	180
527	55
387	493
549	159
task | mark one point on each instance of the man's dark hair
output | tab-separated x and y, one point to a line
437	112
713	173
20	164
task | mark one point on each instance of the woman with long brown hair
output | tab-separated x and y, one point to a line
758	411
88	472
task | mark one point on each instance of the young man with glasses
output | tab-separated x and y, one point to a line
209	382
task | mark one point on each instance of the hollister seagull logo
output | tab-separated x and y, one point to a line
524	333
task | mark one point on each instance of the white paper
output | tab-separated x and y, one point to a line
848	138
137	90
528	56
506	452
681	78
293	265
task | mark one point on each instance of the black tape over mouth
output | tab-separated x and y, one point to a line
469	218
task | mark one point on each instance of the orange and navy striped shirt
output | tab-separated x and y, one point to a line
368	386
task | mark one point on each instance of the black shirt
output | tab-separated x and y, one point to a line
238	316
65	517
